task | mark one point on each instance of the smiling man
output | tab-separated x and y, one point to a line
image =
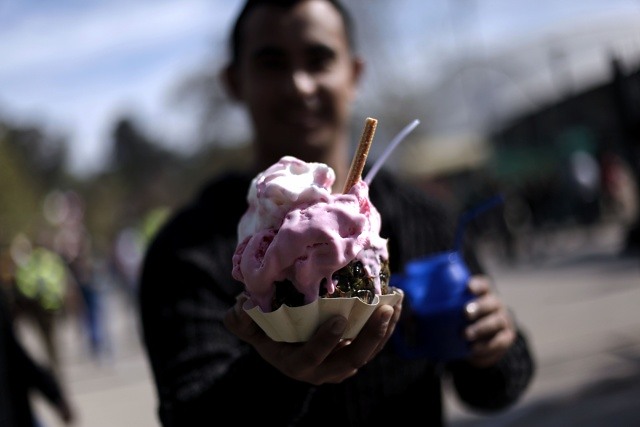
294	67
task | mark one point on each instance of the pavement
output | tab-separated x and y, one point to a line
580	307
576	297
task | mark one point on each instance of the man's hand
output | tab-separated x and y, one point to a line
492	330
325	358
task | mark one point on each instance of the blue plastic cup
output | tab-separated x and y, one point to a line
433	321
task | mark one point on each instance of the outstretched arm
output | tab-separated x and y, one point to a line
500	366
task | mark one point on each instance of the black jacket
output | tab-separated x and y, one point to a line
20	375
202	371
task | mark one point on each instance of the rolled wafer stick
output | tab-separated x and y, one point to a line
360	157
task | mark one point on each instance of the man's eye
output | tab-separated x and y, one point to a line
320	62
272	63
320	58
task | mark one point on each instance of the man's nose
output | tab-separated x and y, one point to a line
303	83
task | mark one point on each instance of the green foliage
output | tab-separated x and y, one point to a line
142	179
23	182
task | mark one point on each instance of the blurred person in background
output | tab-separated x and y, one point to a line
41	291
74	243
294	67
125	259
21	375
129	246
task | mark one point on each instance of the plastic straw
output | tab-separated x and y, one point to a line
387	152
473	213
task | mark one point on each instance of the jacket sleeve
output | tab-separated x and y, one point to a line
199	367
421	226
494	388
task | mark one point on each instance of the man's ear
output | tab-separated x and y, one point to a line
229	80
358	69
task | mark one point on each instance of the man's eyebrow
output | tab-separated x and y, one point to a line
321	48
272	50
267	50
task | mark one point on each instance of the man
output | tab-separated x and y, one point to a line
293	66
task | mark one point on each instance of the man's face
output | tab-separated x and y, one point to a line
297	77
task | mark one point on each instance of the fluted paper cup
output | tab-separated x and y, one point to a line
298	324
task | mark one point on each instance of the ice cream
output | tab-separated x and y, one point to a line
298	241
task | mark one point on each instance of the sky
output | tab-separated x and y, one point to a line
74	66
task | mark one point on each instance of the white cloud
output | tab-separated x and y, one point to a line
75	70
66	39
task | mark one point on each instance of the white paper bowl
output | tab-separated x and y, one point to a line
297	324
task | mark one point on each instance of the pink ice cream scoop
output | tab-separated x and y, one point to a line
295	229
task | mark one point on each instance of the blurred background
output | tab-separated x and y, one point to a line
111	117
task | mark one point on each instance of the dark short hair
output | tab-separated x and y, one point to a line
235	42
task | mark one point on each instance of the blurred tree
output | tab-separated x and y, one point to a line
18	204
42	155
219	121
31	163
142	176
146	173
134	156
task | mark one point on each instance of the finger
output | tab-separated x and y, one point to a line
374	336
307	362
324	341
363	347
347	360
487	326
397	311
499	342
482	306
240	323
488	352
479	285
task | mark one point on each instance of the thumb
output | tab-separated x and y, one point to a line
238	322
